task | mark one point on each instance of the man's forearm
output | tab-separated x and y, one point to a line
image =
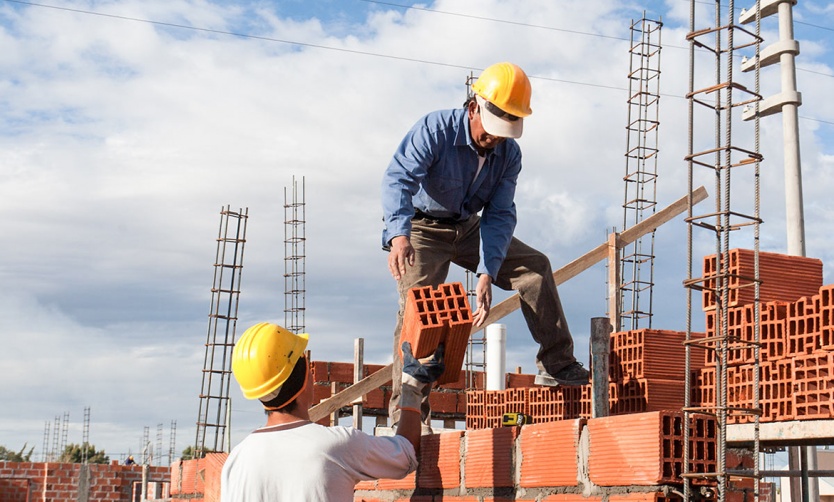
411	428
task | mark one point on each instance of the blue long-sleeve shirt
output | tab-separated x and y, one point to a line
433	170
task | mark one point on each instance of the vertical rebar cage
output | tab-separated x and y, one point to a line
212	418
731	158
642	126
295	245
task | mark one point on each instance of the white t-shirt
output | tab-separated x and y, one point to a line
304	461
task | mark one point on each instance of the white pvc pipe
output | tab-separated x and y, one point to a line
496	360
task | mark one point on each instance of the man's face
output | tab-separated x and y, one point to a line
481	138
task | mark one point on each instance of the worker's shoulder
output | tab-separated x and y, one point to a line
442	120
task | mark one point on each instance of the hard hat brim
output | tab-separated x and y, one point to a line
499	126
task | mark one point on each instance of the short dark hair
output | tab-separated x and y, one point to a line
285	401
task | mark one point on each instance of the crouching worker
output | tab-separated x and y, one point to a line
291	458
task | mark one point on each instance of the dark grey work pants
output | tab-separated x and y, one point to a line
525	270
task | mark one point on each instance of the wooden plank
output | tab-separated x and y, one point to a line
502	309
600	252
373	381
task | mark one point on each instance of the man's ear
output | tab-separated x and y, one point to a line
472	108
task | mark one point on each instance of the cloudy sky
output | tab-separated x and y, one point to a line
125	127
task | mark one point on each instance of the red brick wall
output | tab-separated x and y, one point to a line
58	482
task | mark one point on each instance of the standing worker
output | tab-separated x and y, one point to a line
291	458
451	165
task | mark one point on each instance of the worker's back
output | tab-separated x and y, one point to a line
306	461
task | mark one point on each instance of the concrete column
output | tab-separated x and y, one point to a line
794	212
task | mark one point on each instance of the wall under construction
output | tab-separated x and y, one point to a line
53	481
636	454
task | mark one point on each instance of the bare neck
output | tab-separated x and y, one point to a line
279	418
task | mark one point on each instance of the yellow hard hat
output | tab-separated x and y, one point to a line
264	358
506	86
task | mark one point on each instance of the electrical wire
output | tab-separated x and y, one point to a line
575	32
364	53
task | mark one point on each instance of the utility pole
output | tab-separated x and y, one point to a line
787	102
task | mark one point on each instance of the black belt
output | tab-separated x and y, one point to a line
420	215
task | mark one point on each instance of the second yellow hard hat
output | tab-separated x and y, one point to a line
264	357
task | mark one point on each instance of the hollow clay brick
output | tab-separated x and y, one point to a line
366	485
515	380
440	461
813	377
494	408
803	326
489	457
407	483
443	402
475	409
782	277
651	353
377	399
785	390
740	393
434	316
570	497
647	448
341	372
319	370
517	400
549	404
539	466
827	318
638	395
370	369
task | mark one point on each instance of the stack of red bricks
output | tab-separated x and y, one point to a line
796	335
646	373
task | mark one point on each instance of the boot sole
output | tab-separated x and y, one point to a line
549	381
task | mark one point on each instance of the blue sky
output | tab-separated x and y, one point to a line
123	132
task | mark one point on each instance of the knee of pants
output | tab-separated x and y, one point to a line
540	264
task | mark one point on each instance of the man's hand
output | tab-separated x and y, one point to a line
483	298
401	253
